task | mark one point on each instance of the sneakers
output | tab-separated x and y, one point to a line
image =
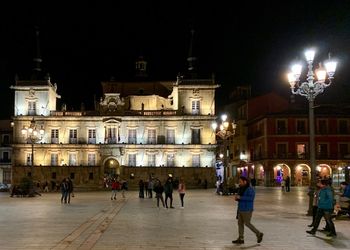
238	241
311	232
260	237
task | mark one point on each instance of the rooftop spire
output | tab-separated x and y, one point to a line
191	59
37	59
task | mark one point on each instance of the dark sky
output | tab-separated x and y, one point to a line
242	43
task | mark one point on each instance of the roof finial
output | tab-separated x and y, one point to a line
37	59
191	59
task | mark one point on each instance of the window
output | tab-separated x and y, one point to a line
92	136
6	139
322	150
170	160
5	156
72	159
151	160
301	127
343	127
54	136
301	150
73	136
281	150
195	107
170	136
31	108
132	160
281	127
54	159
151	139
29	159
196	136
343	150
91	159
322	127
132	136
111	135
196	161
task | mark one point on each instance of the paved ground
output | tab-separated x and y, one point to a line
93	221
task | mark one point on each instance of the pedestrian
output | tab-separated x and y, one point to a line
64	190
150	188
283	184
288	183
182	191
141	189
345	196
159	189
46	187
245	198
325	209
315	205
114	187
124	187
145	188
168	190
70	189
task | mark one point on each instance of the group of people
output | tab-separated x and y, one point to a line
66	190
155	185
116	186
323	206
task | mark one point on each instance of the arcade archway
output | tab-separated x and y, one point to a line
302	175
111	167
281	171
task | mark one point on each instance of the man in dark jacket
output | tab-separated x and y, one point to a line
168	190
245	198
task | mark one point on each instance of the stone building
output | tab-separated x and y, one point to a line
138	129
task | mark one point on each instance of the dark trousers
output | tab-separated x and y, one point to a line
160	197
182	199
327	214
170	196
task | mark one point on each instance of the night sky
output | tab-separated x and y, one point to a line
247	43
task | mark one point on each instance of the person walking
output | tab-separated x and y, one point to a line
114	189
70	189
159	189
245	198
182	191
150	187
168	190
141	189
325	209
64	190
315	205
124	187
288	183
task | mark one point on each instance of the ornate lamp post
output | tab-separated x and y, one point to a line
33	134
224	130
310	89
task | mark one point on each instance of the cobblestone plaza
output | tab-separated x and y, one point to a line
93	221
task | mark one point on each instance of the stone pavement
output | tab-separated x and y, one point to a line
93	221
